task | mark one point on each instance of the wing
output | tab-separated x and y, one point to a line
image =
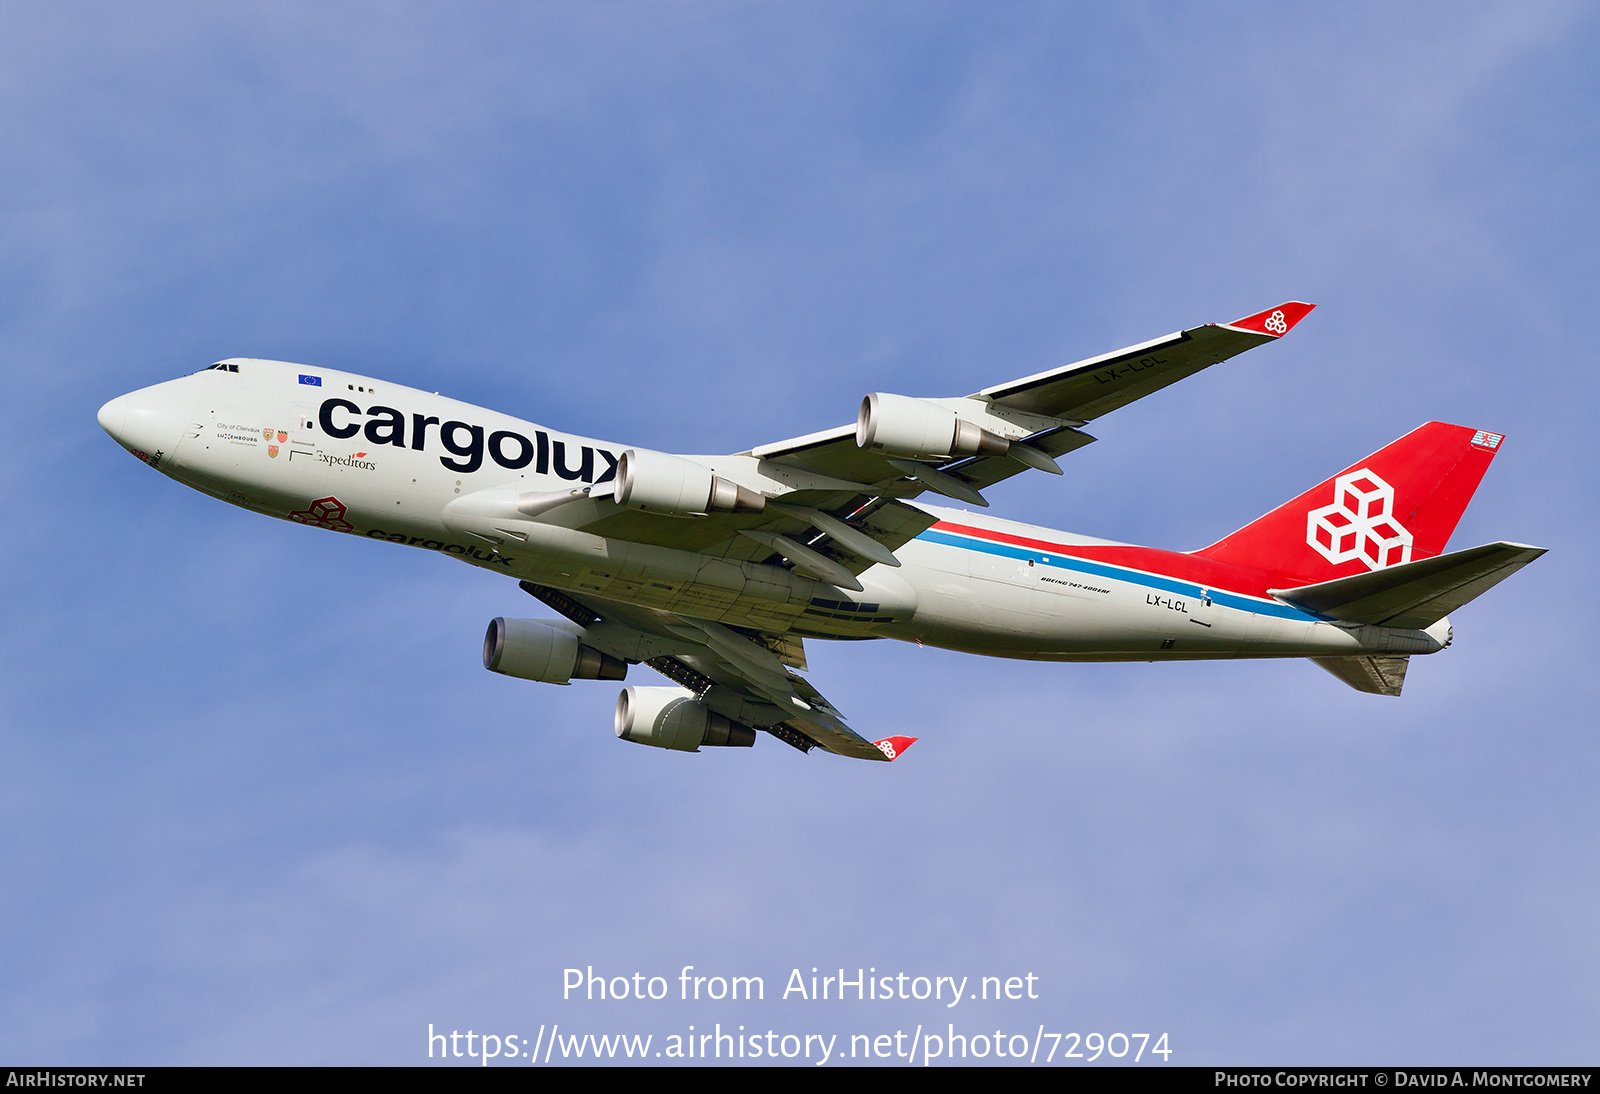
740	675
1053	403
1088	389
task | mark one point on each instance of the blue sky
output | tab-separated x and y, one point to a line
262	804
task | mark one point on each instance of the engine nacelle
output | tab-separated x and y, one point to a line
671	484
900	426
674	718
533	649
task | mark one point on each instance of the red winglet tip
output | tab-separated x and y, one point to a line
892	747
1274	322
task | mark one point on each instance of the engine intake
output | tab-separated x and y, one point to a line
661	483
532	649
674	718
900	426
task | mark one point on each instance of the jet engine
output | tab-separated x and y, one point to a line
901	426
674	718
672	484
533	649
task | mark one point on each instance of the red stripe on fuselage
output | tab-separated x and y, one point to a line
1150	560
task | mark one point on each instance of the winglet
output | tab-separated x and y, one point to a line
1274	322
892	747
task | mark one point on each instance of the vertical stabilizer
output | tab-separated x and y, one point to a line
1399	504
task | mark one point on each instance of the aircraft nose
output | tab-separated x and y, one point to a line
144	422
111	416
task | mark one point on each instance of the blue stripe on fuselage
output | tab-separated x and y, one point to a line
1118	573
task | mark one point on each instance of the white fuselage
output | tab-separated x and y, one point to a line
385	462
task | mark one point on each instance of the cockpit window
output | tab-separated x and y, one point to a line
221	366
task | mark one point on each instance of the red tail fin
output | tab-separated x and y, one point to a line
1400	503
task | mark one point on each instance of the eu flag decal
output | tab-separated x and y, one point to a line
314	381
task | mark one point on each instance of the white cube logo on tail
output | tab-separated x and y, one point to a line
1277	324
1359	524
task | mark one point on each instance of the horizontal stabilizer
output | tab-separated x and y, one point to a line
1414	595
1375	674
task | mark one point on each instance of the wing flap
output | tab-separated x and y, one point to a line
889	523
984	471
